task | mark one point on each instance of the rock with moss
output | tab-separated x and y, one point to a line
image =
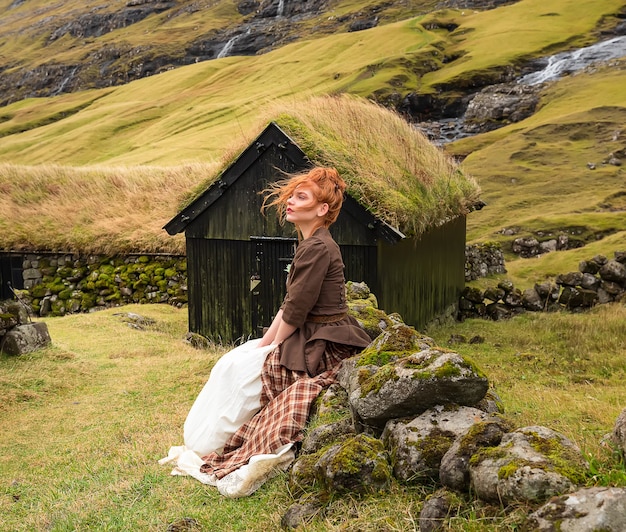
529	465
8	319
418	445
303	475
363	306
589	509
401	376
454	467
327	434
331	405
359	465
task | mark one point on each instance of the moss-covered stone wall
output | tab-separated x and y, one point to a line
59	284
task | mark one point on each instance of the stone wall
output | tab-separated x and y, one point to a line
598	280
57	284
482	260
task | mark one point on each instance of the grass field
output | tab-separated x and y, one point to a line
84	422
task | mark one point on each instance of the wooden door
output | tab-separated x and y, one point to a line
268	279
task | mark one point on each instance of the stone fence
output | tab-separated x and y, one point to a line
482	260
63	283
66	283
599	280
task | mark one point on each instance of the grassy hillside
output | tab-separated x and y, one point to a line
28	30
191	113
533	174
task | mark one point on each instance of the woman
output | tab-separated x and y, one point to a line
307	340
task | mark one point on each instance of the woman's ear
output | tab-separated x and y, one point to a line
322	210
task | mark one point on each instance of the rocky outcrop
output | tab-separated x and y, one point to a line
267	24
259	27
530	464
527	247
465	448
95	24
501	104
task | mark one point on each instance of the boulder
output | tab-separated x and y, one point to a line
357	465
409	385
586	510
441	505
531	300
418	445
613	271
454	467
529	465
25	338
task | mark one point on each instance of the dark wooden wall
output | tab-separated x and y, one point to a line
421	278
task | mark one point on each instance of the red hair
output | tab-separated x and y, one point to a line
328	187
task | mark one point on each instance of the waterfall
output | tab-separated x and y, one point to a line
65	81
231	42
281	8
567	62
227	47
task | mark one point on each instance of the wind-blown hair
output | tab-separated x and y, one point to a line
328	187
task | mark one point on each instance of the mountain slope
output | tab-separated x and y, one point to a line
190	113
534	173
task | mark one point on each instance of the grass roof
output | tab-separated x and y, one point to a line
390	167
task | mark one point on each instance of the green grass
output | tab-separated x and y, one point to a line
84	422
192	113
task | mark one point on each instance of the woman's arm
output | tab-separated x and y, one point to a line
277	331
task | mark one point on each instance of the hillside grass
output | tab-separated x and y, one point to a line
535	176
514	33
84	422
193	112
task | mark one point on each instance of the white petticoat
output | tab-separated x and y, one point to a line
230	398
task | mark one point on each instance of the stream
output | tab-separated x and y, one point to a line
550	68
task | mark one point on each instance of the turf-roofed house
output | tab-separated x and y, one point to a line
401	229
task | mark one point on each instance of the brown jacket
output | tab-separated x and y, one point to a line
316	293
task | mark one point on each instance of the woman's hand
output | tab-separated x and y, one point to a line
278	331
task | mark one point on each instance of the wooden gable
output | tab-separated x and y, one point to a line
230	209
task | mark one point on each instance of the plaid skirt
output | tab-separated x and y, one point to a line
286	400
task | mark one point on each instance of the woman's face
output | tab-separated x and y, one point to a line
303	208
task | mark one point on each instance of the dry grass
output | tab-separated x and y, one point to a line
390	167
105	209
